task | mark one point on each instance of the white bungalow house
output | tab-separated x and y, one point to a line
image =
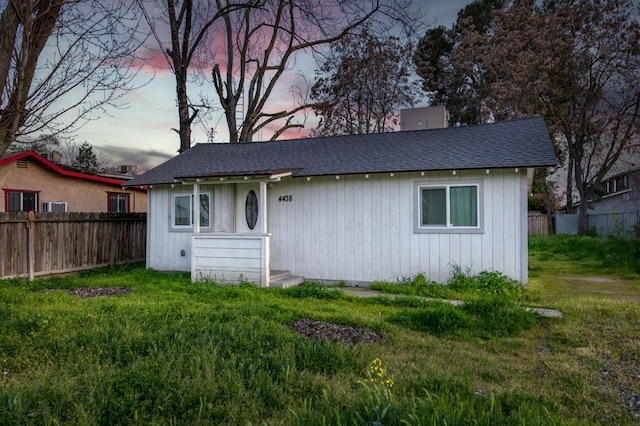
354	208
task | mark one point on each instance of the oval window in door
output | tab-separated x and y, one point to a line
251	209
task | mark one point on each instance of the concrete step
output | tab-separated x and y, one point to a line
275	275
286	282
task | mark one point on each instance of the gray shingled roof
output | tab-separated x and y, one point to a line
517	143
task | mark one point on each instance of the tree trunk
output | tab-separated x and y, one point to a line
547	203
569	203
246	134
184	118
38	20
584	198
9	24
583	218
232	124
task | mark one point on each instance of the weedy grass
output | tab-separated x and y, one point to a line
613	254
175	352
462	285
312	290
484	317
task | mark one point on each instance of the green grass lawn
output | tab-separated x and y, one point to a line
173	352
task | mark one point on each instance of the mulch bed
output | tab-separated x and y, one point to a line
99	291
336	333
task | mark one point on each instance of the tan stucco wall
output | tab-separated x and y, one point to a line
81	195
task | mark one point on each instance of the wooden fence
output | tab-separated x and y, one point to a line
56	243
538	224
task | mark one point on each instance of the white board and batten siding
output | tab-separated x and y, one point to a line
169	249
355	228
358	228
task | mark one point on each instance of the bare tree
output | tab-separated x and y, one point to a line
577	63
452	65
261	47
62	62
188	24
364	83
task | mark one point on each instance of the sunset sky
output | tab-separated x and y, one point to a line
141	134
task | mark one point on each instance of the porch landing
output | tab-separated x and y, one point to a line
283	279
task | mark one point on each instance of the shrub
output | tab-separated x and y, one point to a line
462	285
486	283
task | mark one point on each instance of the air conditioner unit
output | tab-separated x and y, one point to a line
53	156
54	207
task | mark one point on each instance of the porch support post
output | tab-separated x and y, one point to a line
266	240
196	208
262	211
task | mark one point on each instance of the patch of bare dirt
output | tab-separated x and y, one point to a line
620	377
334	332
99	291
594	279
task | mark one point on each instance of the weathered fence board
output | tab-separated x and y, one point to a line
68	242
538	224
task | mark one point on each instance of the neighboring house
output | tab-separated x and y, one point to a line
617	207
620	193
31	182
353	208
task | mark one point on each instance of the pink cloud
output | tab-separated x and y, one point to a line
150	61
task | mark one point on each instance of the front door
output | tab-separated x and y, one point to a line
248	208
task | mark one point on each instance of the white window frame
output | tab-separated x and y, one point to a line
448	227
189	227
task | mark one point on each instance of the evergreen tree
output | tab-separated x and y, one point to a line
86	160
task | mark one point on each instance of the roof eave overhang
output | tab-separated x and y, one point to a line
275	176
424	170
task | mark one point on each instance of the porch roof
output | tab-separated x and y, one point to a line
517	143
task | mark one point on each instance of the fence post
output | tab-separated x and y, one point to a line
31	244
113	243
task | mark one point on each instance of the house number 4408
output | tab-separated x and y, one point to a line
285	198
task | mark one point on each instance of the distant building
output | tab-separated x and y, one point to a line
432	117
125	172
31	182
619	193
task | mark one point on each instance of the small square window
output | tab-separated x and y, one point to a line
183	210
118	202
448	206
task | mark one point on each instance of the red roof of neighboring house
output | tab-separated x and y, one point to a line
8	158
